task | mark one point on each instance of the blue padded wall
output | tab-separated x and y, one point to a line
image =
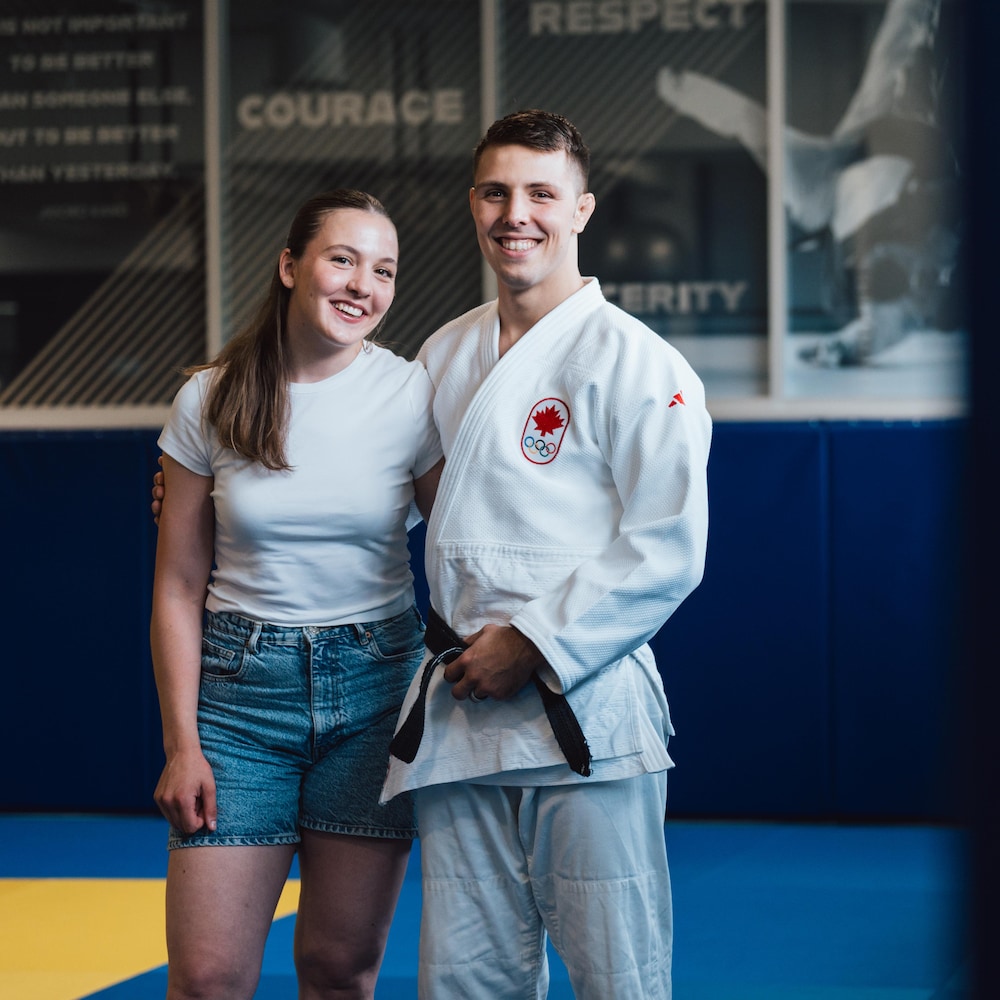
79	728
896	527
810	676
745	659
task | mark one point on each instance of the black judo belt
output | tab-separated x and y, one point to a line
447	646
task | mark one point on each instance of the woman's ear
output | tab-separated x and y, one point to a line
286	268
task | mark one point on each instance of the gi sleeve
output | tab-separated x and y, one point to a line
655	433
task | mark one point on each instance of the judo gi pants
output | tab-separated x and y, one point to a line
503	867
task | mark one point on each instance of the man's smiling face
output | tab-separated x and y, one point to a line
529	206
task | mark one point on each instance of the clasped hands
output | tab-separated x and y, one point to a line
497	664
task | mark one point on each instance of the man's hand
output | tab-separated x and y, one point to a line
497	664
157	492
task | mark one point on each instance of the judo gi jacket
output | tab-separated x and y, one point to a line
574	507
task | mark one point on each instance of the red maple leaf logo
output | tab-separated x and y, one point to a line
547	421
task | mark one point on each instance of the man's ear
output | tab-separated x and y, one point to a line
585	206
472	200
286	268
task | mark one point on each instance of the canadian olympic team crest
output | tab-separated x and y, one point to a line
544	431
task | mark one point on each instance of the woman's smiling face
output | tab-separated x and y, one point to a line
341	287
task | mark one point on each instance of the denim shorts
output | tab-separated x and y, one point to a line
296	724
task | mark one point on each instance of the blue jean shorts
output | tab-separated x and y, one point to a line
296	724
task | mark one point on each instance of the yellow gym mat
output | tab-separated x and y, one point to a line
61	939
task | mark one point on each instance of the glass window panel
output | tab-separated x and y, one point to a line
103	199
101	202
872	200
659	90
382	96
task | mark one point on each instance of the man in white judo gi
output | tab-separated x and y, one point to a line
570	522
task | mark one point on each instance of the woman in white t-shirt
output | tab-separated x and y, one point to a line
284	631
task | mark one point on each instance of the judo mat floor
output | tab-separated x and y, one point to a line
762	911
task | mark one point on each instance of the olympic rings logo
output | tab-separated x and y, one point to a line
544	448
543	432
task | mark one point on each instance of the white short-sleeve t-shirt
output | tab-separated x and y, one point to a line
325	542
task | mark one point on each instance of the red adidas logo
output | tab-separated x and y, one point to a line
678	398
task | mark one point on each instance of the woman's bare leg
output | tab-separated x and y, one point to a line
350	886
220	904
